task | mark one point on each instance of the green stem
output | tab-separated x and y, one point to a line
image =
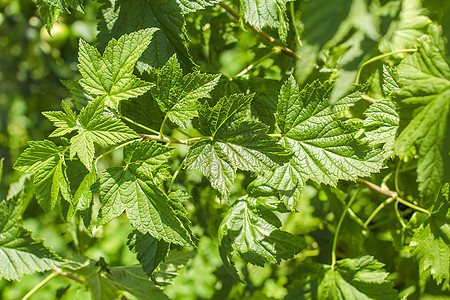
275	135
40	284
355	217
338	229
378	57
257	62
292	11
413	206
397	169
176	174
161	129
139	125
110	151
399	217
168	139
378	209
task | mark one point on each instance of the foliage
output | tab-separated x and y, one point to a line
301	152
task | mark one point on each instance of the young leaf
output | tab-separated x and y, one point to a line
235	144
424	104
45	161
430	244
264	13
177	95
64	122
96	127
132	188
111	76
150	251
118	17
20	254
351	278
325	149
253	232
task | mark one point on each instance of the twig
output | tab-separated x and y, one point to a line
389	193
262	34
40	284
169	139
68	275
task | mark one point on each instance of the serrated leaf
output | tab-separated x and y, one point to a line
64	121
390	80
381	125
262	13
96	127
45	161
80	98
111	76
134	281
430	244
188	6
351	278
150	251
178	95
119	17
132	189
325	148
253	233
234	144
423	100
97	283
20	254
404	33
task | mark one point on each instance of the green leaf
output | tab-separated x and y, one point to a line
134	281
424	103
381	125
111	76
235	143
150	251
262	13
20	254
46	162
351	278
96	127
404	33
1	168
178	95
97	283
132	188
64	121
189	6
80	98
51	9
430	244
118	17
325	148
252	231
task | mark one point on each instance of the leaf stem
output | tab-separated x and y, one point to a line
293	19
112	150
39	285
389	193
378	57
176	174
139	125
338	229
262	34
399	216
68	275
168	139
161	129
378	209
275	135
258	61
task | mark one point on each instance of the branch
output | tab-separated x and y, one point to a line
262	34
392	194
68	275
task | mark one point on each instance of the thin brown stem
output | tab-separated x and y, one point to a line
389	193
262	34
171	140
68	275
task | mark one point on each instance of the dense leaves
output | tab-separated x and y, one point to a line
323	161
